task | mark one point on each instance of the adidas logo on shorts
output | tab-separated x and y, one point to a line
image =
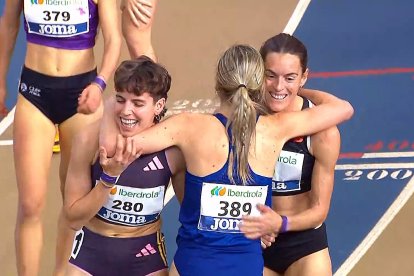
154	165
147	250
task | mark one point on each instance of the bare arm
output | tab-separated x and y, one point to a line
170	132
108	129
173	131
329	111
326	148
91	96
83	199
177	165
9	28
108	19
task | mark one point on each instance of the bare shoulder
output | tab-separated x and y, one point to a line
327	136
186	118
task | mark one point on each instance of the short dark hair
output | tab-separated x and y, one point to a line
286	44
142	75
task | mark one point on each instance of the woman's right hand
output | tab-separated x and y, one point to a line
125	153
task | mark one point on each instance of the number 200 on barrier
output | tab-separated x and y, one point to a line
378	174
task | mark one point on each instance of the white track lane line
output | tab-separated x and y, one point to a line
296	16
7	121
4	124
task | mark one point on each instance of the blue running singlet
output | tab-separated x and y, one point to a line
209	241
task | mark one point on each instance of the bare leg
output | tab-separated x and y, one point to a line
33	139
73	270
318	263
162	272
173	270
269	272
67	130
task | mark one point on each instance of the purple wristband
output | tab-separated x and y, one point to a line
109	179
100	82
284	226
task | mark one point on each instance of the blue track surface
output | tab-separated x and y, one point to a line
356	36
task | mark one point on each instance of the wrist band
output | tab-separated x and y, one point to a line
109	179
100	82
106	185
284	226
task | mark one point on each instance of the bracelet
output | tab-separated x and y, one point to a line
106	185
100	82
109	179
284	226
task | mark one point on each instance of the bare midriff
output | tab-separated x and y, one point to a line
118	231
59	62
292	205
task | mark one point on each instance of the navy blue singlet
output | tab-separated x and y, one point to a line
202	252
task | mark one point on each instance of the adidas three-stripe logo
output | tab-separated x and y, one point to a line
147	250
154	165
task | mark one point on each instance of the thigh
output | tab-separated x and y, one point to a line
73	270
318	263
163	272
269	272
67	130
33	136
173	270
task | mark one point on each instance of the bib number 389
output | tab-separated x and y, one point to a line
223	205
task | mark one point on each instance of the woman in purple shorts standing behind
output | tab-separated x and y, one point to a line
59	85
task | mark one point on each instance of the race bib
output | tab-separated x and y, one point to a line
133	206
222	206
288	172
57	18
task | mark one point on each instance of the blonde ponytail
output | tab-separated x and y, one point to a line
239	80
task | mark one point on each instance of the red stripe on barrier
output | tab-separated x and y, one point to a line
361	72
350	155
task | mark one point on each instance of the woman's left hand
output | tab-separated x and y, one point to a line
90	99
126	152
